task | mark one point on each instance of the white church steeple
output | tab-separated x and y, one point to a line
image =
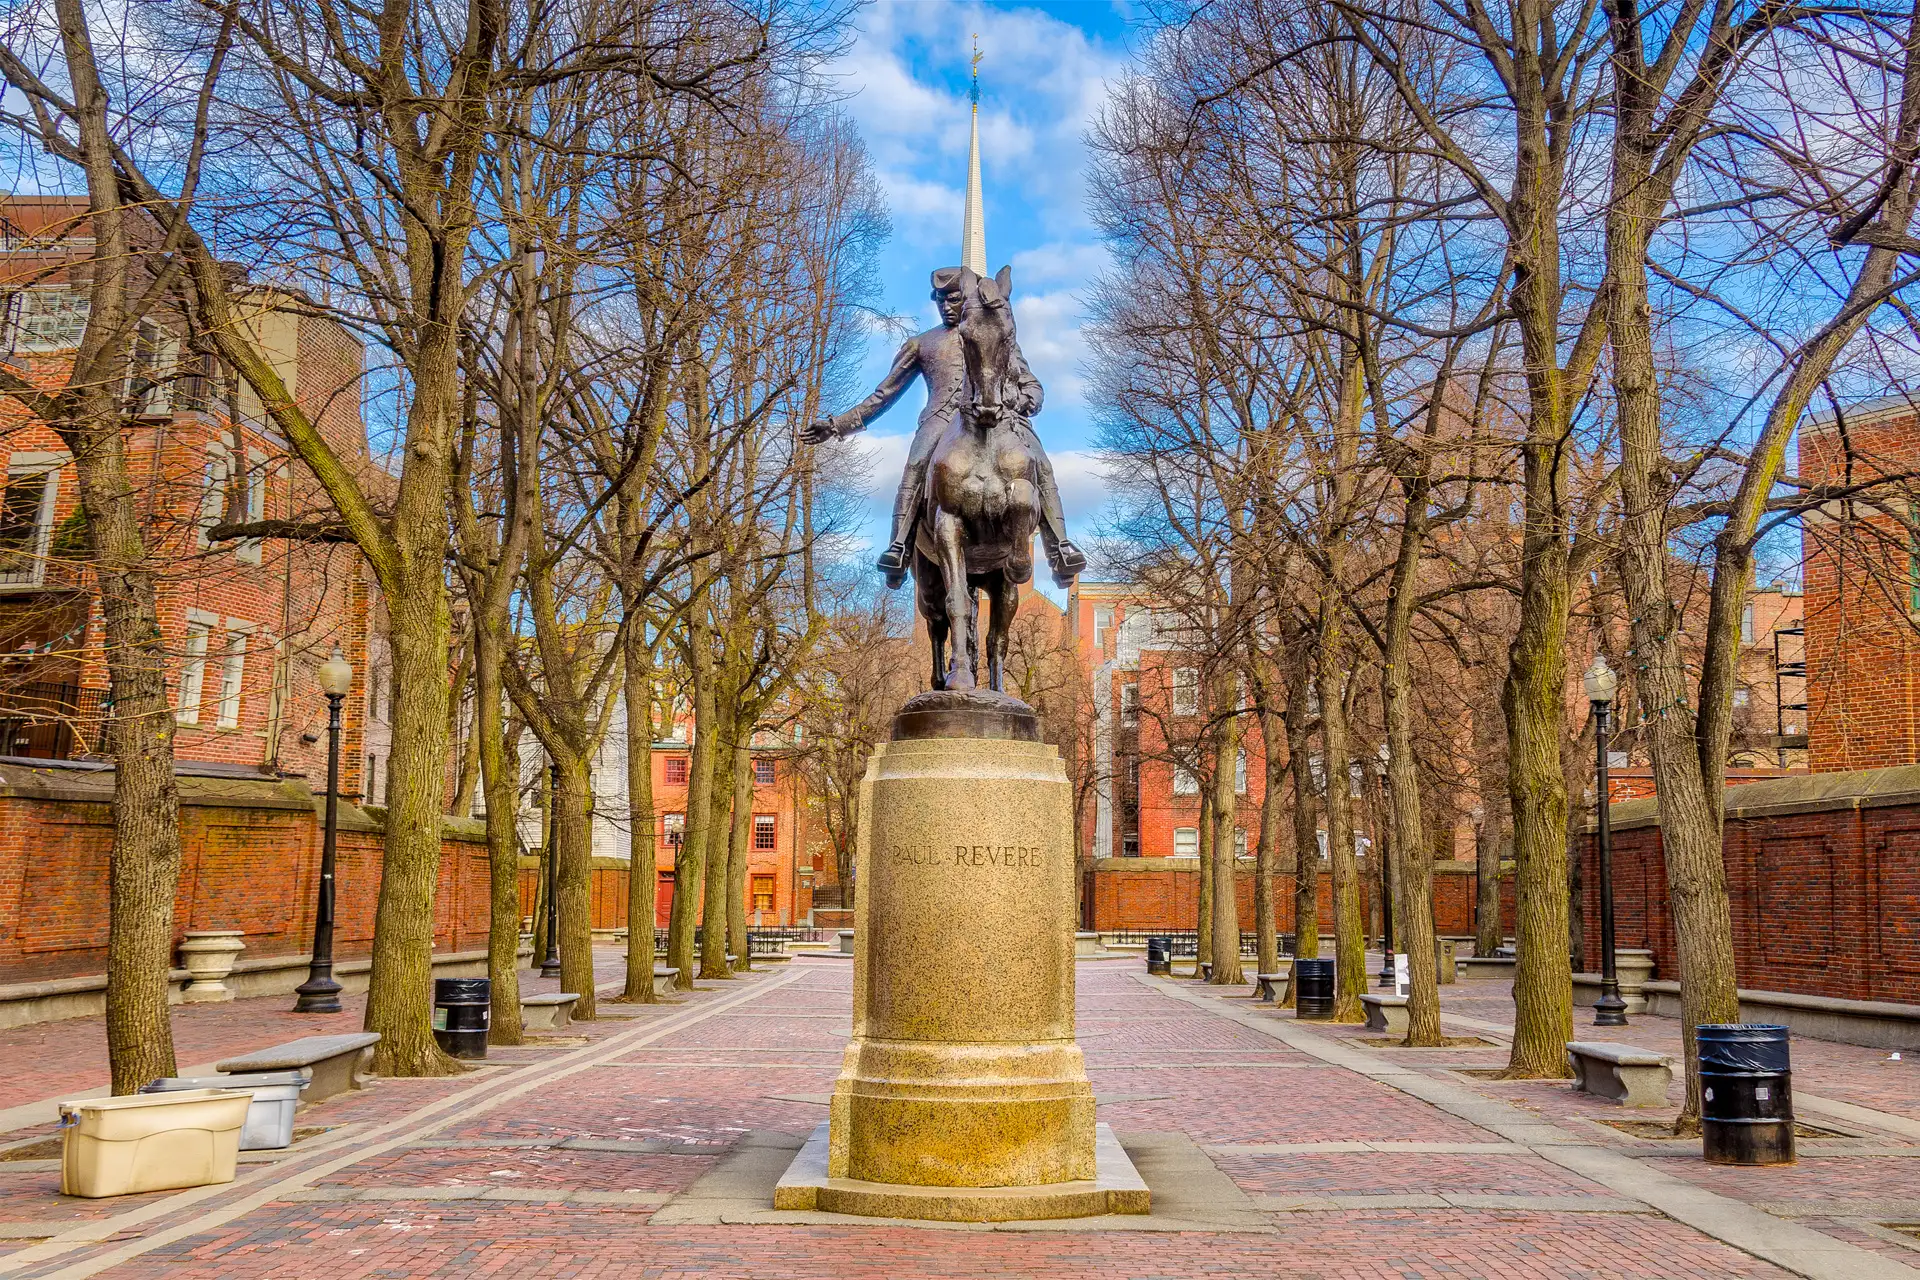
973	226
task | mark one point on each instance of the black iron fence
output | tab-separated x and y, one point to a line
1186	942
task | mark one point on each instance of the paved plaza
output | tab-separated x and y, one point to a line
647	1144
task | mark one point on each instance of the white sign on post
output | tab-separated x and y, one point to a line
1400	973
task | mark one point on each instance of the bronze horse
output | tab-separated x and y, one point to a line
982	504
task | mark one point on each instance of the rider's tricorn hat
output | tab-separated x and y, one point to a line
947	279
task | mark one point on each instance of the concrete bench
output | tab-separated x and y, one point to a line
1270	987
1621	1073
547	1012
336	1062
663	977
1386	1013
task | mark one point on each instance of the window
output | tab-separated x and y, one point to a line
193	673
1130	844
676	771
1746	624
1102	623
1240	772
51	319
1133	773
766	829
1129	704
248	550
233	671
1313	697
1186	691
1321	837
1239	842
1186	842
1185	783
1741	698
675	826
26	518
150	370
763	893
763	774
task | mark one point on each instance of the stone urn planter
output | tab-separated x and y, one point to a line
1633	967
208	957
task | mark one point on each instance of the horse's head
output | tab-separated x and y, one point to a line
987	341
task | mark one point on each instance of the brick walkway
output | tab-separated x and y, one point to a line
590	1155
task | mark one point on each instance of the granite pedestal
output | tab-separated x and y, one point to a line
963	1076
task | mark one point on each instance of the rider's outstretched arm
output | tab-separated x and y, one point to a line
905	368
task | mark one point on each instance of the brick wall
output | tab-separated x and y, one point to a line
250	860
1162	893
1823	874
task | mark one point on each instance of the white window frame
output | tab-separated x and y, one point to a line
1742	698
1186	836
233	674
1186	691
1240	843
1240	772
47	468
1746	623
1185	781
1130	703
247	551
56	310
214	473
1102	623
193	669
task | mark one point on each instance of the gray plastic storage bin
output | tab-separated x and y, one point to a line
269	1124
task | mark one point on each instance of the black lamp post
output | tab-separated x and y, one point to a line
1610	1010
320	993
550	963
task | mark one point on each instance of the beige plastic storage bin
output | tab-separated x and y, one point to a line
151	1141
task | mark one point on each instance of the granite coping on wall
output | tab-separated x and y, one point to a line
1246	865
201	786
1801	793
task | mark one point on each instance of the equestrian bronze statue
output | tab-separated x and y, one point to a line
977	484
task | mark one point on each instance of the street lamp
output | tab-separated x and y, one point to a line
320	993
1610	1010
550	963
1383	850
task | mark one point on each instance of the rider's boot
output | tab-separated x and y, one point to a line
893	561
1066	560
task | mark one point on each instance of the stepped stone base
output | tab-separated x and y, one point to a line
1116	1187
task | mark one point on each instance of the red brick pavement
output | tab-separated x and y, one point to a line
1214	1080
49	1059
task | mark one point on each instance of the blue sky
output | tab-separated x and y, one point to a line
1043	78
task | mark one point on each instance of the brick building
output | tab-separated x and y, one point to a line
781	859
1863	590
246	623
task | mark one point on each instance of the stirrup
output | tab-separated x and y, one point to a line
893	565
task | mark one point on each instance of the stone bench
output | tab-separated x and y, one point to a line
1386	1013
547	1012
336	1062
1621	1073
1270	987
663	977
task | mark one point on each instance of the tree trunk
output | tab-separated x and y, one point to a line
1535	703
739	834
399	996
1411	865
642	876
500	778
1226	898
143	869
713	901
1306	830
573	846
1490	843
689	864
1349	936
1267	940
1203	915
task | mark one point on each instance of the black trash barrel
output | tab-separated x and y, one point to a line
1159	955
1314	999
462	1012
1746	1093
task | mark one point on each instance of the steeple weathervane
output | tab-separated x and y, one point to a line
973	225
